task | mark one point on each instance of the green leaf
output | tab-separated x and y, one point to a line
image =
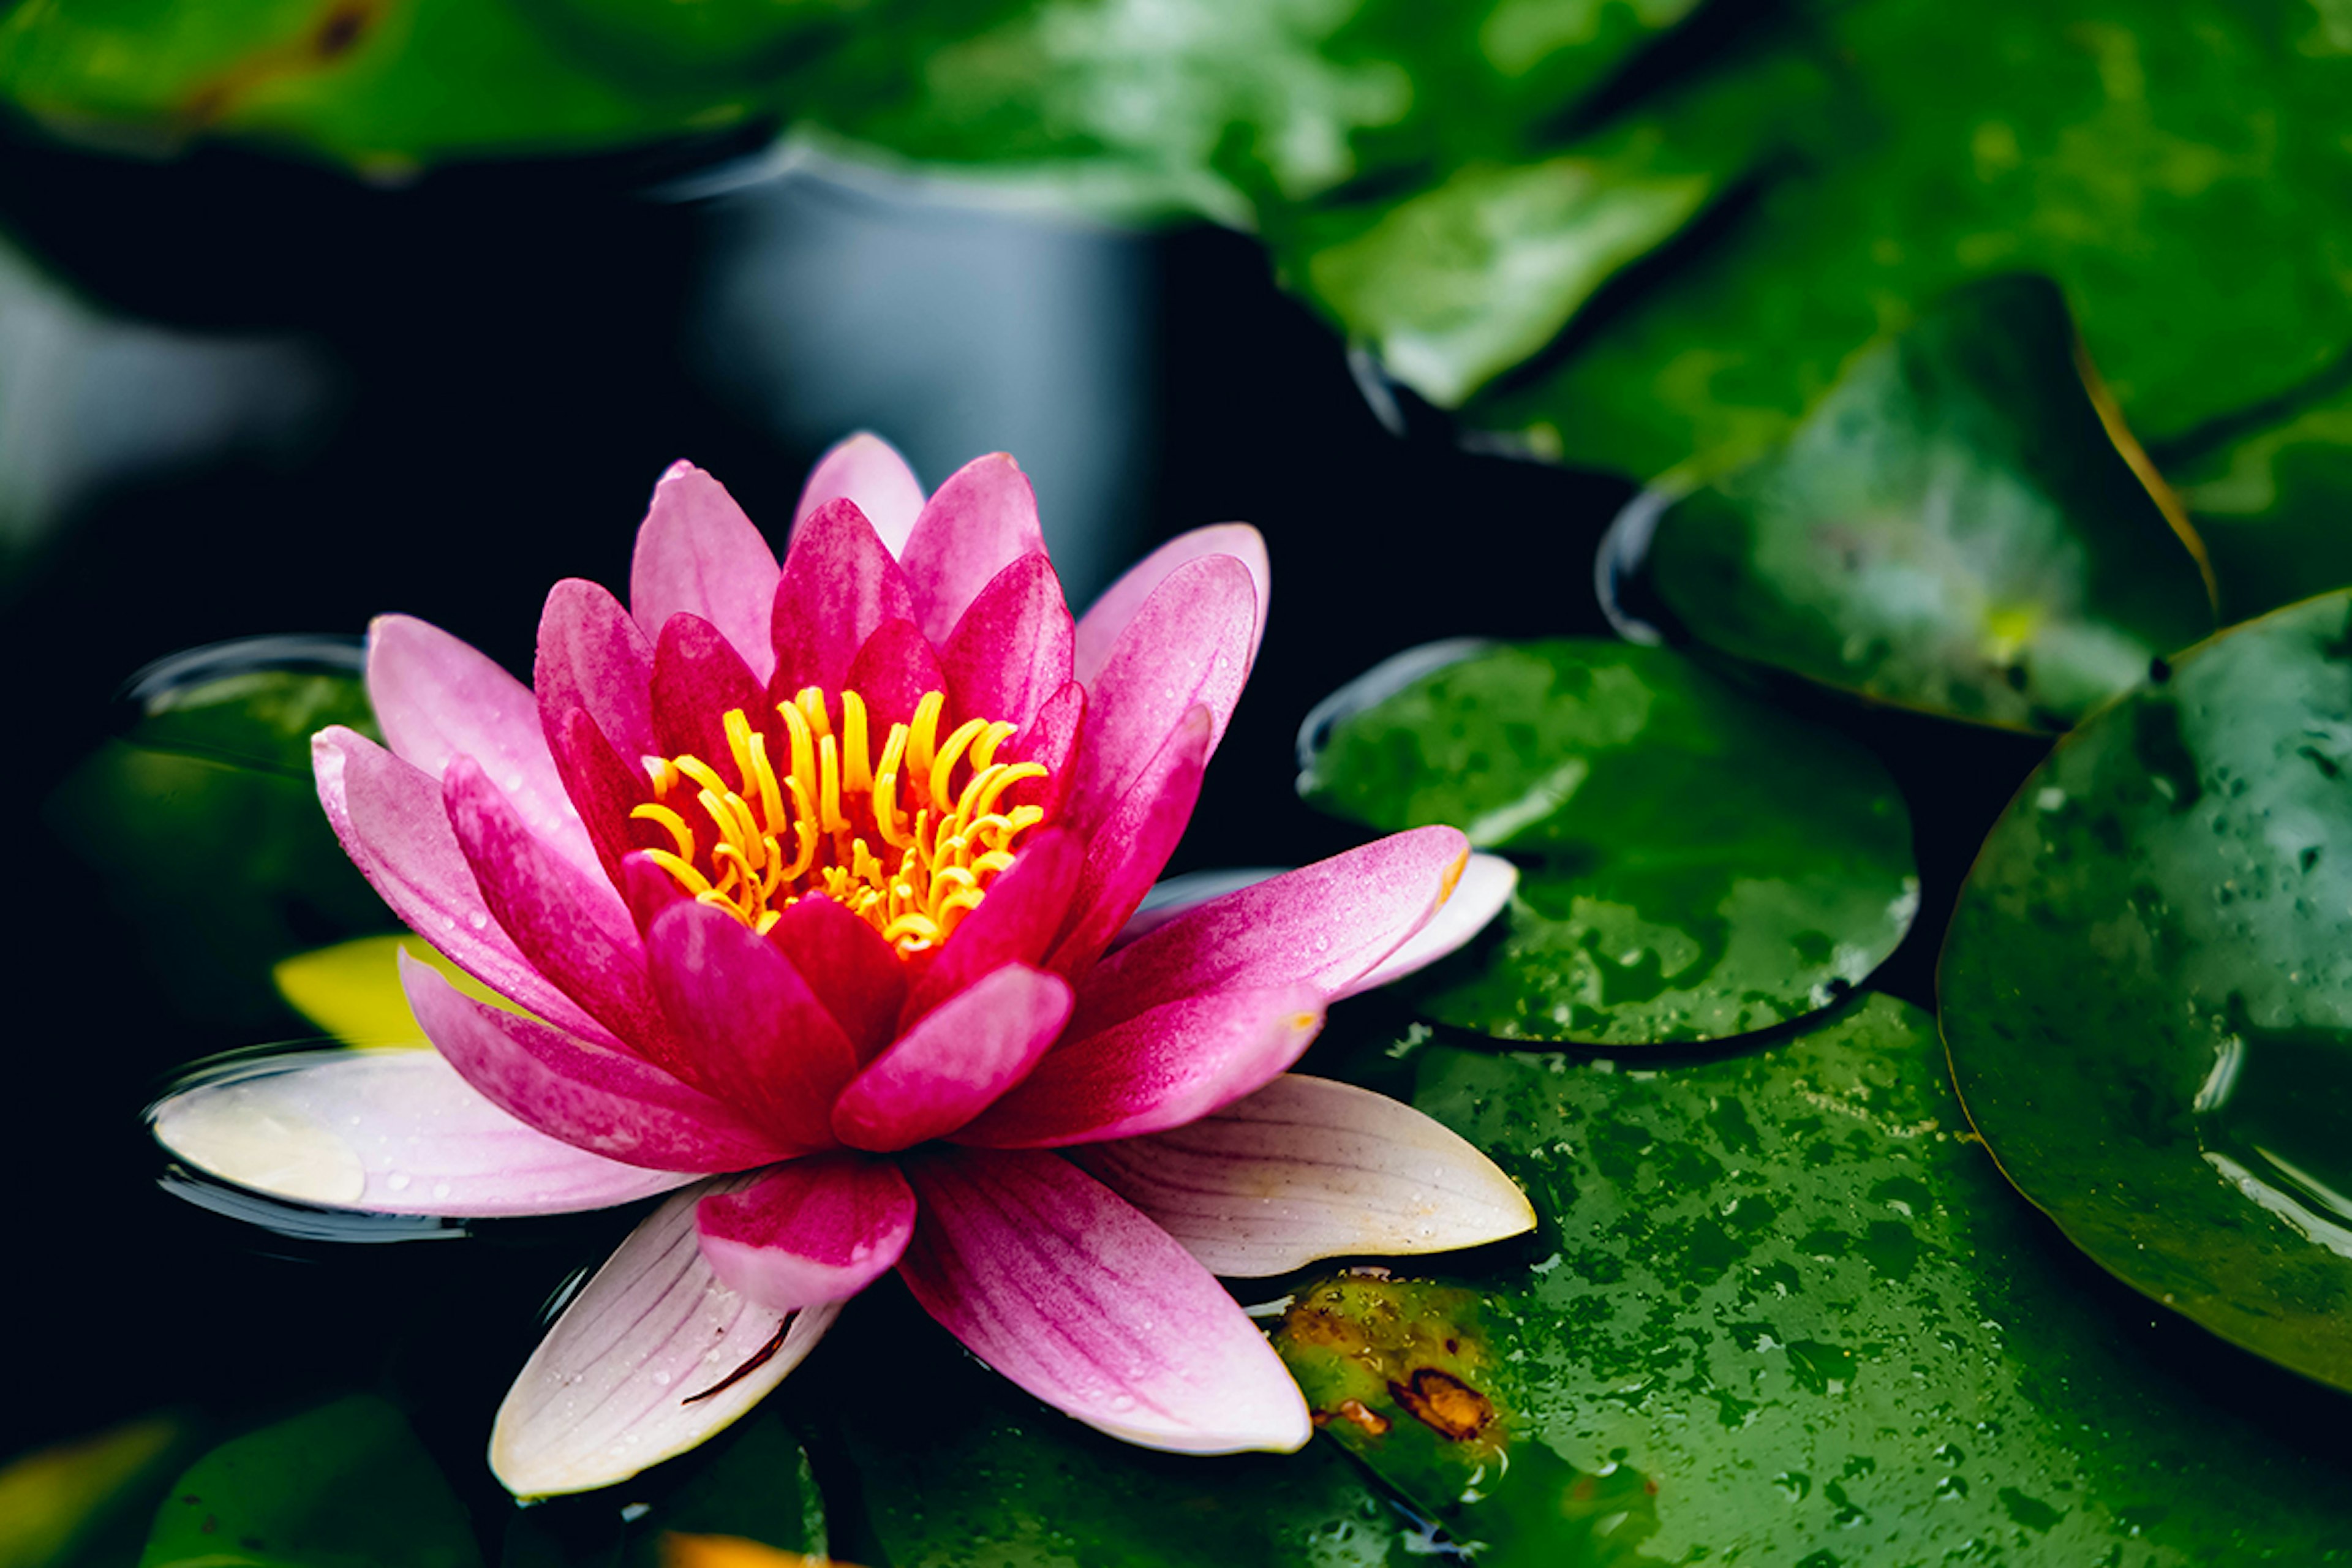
1695	863
2148	992
57	1503
2272	497
1951	530
1789	1290
344	1485
2149	158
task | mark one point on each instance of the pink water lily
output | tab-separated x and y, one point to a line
805	883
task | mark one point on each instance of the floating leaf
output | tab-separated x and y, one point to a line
2147	987
2272	501
344	1485
55	1500
1695	863
1950	530
1791	1291
352	989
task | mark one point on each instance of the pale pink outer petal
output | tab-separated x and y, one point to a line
809	1231
1162	1068
1186	647
1063	1287
697	552
1099	629
1484	891
869	470
393	1131
955	1062
1307	1168
983	519
1324	925
392	822
590	1095
438	698
613	1386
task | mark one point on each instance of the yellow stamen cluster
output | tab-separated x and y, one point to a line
909	842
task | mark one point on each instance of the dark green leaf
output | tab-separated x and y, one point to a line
345	1486
1951	530
1789	1289
1695	863
2272	501
65	1504
2148	996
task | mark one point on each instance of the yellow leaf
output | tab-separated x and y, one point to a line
352	990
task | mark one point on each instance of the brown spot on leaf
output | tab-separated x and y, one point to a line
342	27
1356	1410
1444	1404
339	29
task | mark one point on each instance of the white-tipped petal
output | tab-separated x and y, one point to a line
653	1357
395	1131
1306	1169
1484	887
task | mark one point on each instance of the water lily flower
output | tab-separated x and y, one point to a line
803	887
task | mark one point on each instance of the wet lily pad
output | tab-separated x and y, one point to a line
1951	529
1695	863
344	1485
2147	987
1789	1290
2272	497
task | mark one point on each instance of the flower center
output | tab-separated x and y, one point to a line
909	843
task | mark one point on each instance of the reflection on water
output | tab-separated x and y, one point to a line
2275	1121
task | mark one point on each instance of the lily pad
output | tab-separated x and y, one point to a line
1695	863
2147	987
1789	1290
344	1485
1951	530
67	1504
2272	497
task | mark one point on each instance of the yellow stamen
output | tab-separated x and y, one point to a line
922	735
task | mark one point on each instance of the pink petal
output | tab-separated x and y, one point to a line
839	585
1323	926
1307	1168
954	1064
593	657
569	923
892	673
974	526
392	1132
1127	848
1108	618
1055	1282
437	698
1484	891
698	677
590	1095
697	554
1051	738
391	820
855	973
760	1037
1172	1064
1013	924
869	470
604	787
1186	647
1173	896
808	1231
1012	649
653	1357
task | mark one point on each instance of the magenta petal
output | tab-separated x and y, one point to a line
955	1062
1108	617
603	786
1484	892
1057	1283
760	1037
1306	1169
1013	924
839	587
809	1232
974	526
1127	849
1187	647
869	470
1322	925
892	673
593	657
568	923
1051	737
1162	1068
653	1357
1012	649
698	677
697	554
854	971
590	1095
390	1132
437	698
391	820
